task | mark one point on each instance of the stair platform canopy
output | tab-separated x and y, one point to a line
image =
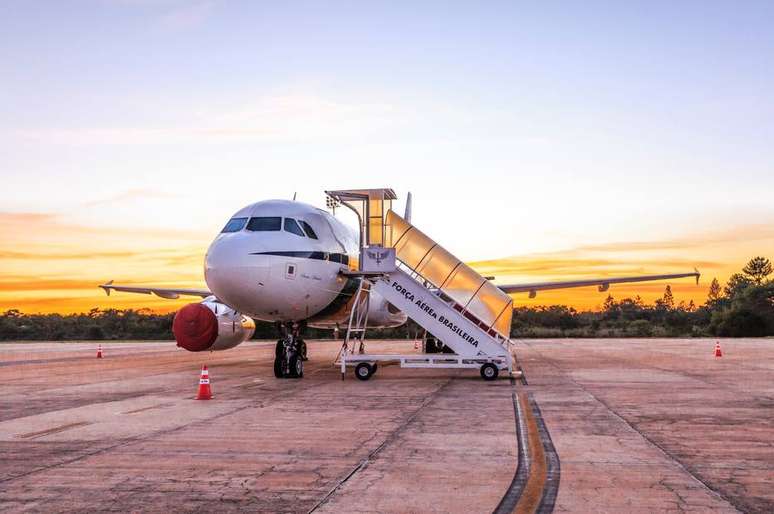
474	297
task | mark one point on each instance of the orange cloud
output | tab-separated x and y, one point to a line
577	267
716	254
84	303
18	284
12	255
51	265
32	226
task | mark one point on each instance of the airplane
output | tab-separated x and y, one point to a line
293	264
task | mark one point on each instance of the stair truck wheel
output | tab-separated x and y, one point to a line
363	371
296	366
489	371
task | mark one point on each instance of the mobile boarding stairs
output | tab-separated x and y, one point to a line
444	296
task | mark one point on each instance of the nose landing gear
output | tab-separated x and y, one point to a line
290	352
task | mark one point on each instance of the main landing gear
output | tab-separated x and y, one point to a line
290	352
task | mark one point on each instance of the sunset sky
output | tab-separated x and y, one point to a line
540	142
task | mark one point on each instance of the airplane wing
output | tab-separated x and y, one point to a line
171	294
602	283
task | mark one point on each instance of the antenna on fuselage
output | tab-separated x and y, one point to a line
407	213
331	203
294	196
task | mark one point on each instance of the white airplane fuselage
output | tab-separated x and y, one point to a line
279	260
290	263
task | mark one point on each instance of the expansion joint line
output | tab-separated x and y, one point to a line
706	485
513	493
150	436
536	482
553	466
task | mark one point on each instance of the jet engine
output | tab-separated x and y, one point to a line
210	325
382	313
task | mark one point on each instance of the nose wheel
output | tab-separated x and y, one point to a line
288	362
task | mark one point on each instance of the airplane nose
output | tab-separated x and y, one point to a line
232	273
220	255
221	264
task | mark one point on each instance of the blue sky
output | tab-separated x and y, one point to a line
529	127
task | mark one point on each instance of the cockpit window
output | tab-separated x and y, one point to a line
235	225
308	229
267	224
292	227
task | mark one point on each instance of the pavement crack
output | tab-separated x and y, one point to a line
391	437
703	484
281	394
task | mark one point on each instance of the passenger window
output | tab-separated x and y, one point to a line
235	225
268	224
292	227
308	229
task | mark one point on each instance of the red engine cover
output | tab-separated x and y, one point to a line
195	327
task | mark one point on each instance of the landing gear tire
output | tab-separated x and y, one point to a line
290	352
489	371
302	349
363	371
296	367
279	365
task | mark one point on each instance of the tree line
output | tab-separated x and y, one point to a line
743	307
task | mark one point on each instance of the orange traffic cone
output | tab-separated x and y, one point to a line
99	351
718	353
204	393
